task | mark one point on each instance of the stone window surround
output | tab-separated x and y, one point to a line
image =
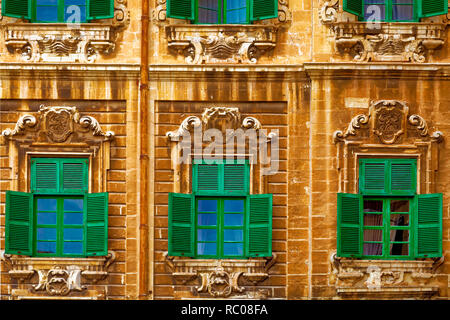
221	43
382	41
22	145
60	42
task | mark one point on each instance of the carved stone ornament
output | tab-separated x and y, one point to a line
382	41
58	276
221	278
58	123
81	42
384	279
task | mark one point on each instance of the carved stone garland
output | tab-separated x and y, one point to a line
366	41
67	42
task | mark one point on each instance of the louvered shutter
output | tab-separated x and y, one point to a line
207	178
96	226
259	225
181	225
100	9
429	226
74	174
45	175
235	178
180	9
349	223
17	8
19	222
431	8
402	178
373	177
263	9
355	7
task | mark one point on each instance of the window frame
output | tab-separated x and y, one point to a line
61	12
221	13
388	5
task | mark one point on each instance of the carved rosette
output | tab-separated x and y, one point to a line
66	42
58	276
384	278
221	278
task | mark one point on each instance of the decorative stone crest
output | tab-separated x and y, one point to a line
220	278
67	43
382	41
58	123
384	278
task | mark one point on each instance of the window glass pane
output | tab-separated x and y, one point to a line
399	249
207	16
73	234
206	249
373	219
402	1
233	249
46	234
47	14
207	219
74	2
402	12
373	206
46	247
207	205
234	205
233	235
399	235
374	12
399	206
233	220
47	2
373	235
210	4
73	248
73	218
206	235
373	249
75	14
399	219
46	218
73	204
46	204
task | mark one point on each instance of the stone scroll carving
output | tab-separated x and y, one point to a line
368	41
65	42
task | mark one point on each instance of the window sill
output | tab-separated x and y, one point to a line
385	278
58	276
220	278
221	43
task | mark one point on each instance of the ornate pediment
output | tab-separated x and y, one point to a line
382	41
53	42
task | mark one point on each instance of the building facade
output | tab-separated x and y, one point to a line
176	149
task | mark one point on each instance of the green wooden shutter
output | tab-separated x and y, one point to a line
428	235
181	225
74	174
19	223
96	225
259	225
207	178
373	176
263	9
431	8
355	7
17	8
349	223
44	175
235	178
100	9
181	9
402	178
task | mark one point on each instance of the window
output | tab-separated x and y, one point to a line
58	11
220	219
387	219
395	10
222	11
58	218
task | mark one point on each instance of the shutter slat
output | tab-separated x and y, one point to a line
374	177
208	177
349	225
264	9
429	226
431	8
17	8
259	225
18	223
180	9
100	9
96	213
355	7
74	177
234	177
181	224
45	176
